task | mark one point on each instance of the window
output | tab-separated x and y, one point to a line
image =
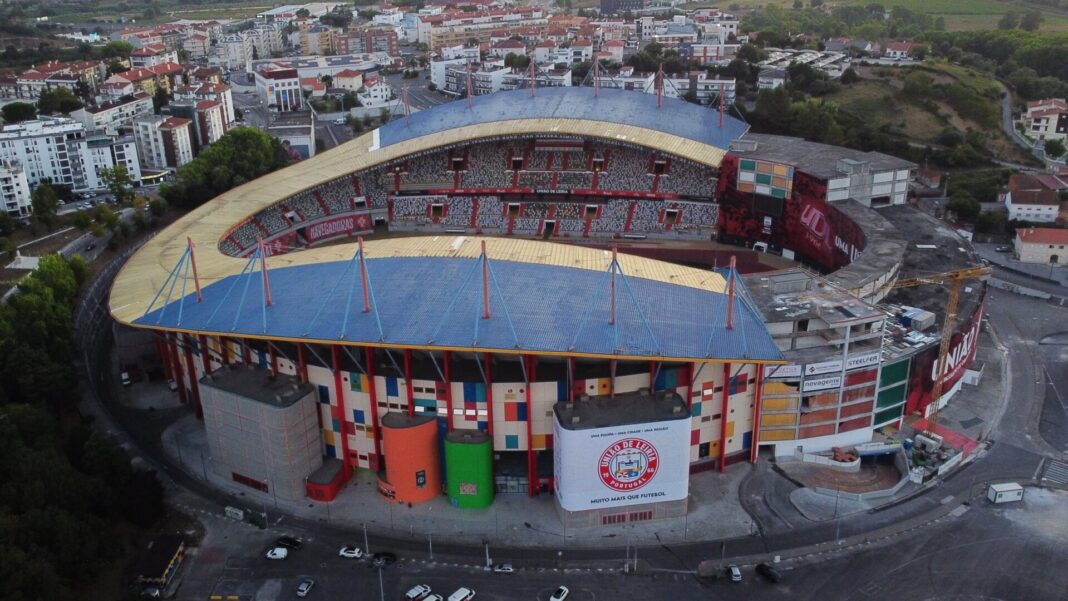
591	212
437	210
517	164
513	209
660	167
598	164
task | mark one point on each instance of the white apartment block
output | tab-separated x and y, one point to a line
198	45
236	51
163	142
59	150
111	116
14	190
375	92
107	152
485	79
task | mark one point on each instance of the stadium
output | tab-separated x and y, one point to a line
488	338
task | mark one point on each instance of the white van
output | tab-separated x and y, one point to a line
462	594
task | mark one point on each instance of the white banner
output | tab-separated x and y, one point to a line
864	360
784	371
618	466
822	383
825	367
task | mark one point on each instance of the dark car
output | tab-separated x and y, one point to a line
289	542
1003	249
382	559
769	572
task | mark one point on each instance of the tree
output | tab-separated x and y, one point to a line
242	155
799	4
302	12
118	181
850	76
1054	148
15	112
1031	21
58	100
1009	20
44	203
116	66
964	206
116	49
160	99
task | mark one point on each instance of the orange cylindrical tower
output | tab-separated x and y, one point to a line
413	467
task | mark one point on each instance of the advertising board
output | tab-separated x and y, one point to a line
616	466
342	226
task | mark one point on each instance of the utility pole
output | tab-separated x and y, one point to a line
366	545
430	543
381	587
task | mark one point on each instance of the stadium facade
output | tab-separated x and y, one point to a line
639	370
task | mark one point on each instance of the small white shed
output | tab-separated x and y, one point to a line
1005	493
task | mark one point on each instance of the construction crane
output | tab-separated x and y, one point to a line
955	277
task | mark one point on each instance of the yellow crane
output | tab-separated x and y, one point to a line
955	277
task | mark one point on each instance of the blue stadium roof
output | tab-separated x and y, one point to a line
676	117
436	302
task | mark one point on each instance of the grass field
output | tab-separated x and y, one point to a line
962	15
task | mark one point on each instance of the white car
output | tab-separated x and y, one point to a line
278	553
735	572
350	552
462	594
339	122
434	597
503	568
560	594
417	592
305	587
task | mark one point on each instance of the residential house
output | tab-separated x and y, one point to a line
1047	119
1041	245
1034	198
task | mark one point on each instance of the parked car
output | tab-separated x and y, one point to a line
385	558
503	568
735	572
305	587
278	553
174	386
124	377
1003	249
462	594
339	122
434	597
350	552
768	571
560	594
417	592
289	542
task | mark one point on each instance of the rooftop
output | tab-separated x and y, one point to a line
794	295
424	295
1042	235
816	159
258	385
588	413
676	118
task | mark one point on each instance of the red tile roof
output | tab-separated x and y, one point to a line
1042	235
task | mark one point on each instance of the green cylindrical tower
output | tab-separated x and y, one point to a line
469	469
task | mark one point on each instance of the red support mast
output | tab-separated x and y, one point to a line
485	283
532	79
193	261
722	103
730	297
263	269
363	278
612	314
469	85
407	110
660	86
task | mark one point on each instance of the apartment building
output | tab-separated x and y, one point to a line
163	141
14	190
112	116
152	55
368	40
1047	119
